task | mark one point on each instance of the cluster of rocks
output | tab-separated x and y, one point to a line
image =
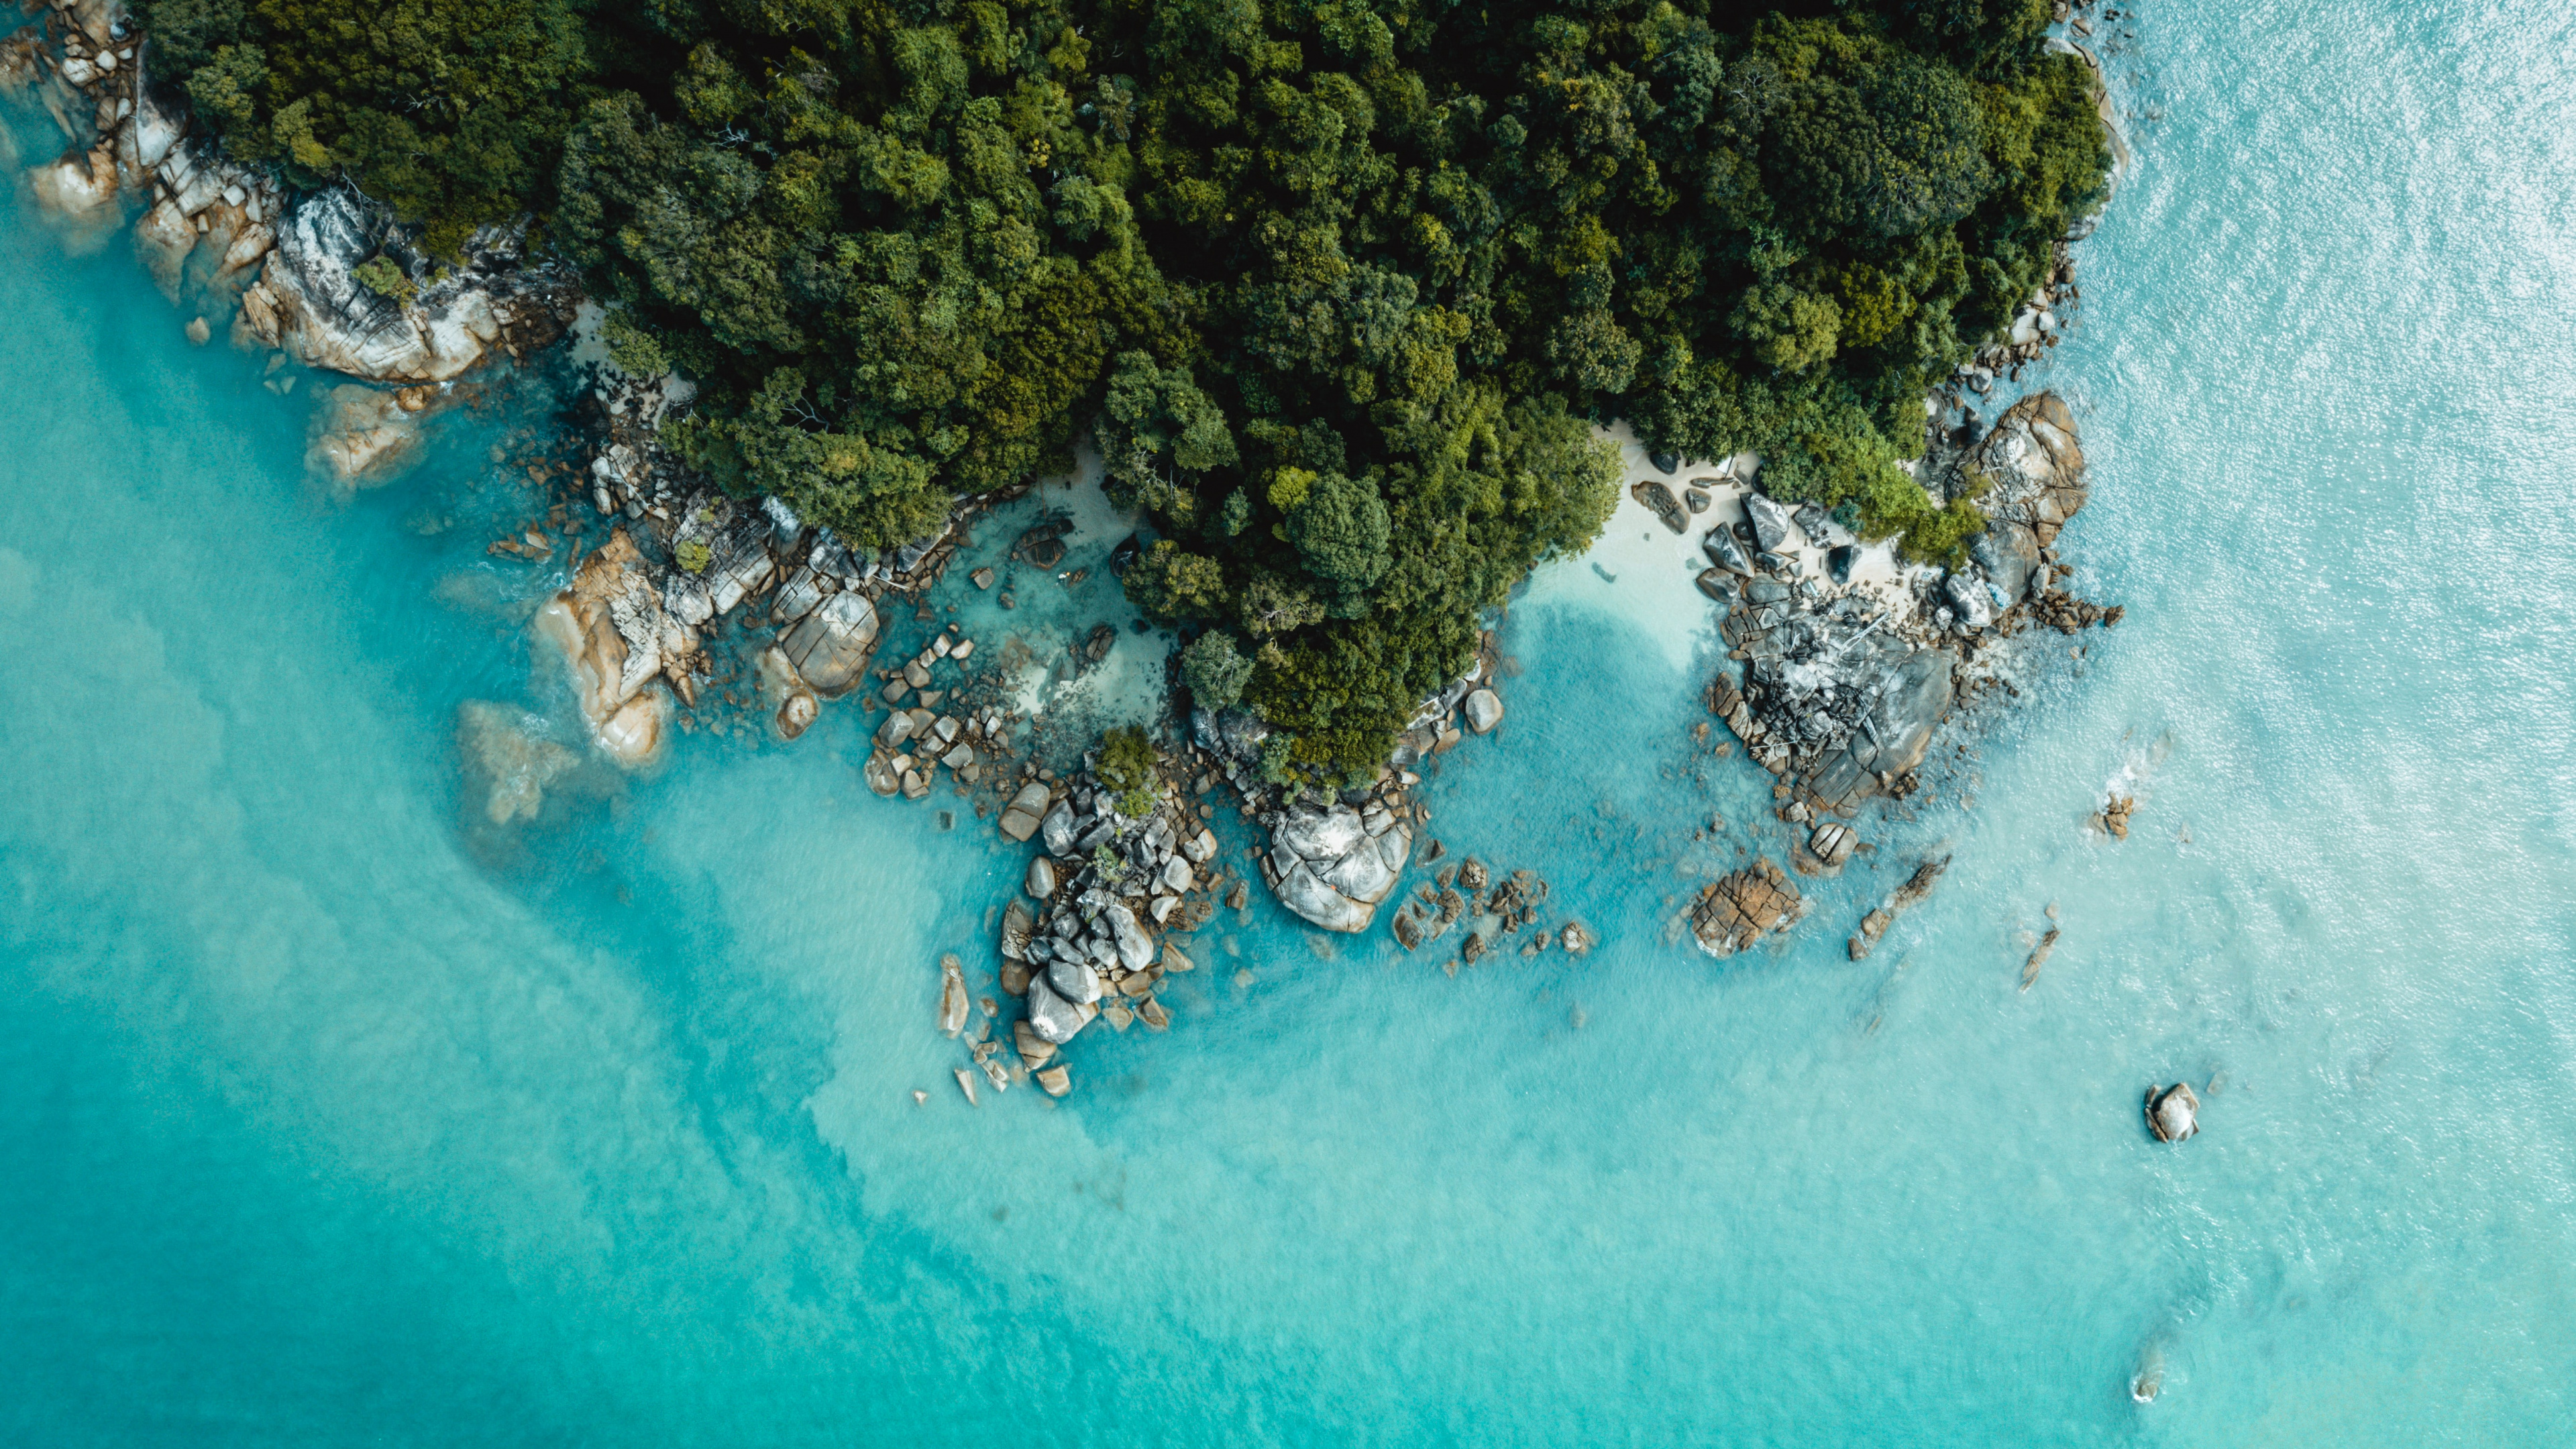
1739	909
1843	685
226	241
1916	889
1332	858
915	742
1083	941
1491	905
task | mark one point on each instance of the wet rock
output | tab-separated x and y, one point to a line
1056	1080
952	995
796	713
1827	847
1577	938
1054	1018
966	1084
2173	1113
1040	881
1075	981
1018	921
1739	909
611	629
830	647
1916	889
1484	710
1034	1049
361	437
1151	1013
1021	819
2038	957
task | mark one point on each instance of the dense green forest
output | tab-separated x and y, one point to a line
1335	285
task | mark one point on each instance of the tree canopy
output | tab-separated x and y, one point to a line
1337	287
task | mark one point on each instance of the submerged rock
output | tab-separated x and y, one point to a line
507	749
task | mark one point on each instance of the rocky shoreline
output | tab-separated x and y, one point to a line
1842	664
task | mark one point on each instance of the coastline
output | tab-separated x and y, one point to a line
639	617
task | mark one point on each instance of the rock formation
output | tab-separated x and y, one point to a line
1740	909
507	751
2173	1113
612	630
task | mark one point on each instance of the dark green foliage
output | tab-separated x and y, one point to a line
1126	763
1215	670
452	112
1337	287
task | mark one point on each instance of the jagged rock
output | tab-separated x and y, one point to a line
830	647
1905	897
313	306
1969	600
1725	552
1484	710
507	749
1734	912
1577	939
1059	823
1812	522
1771	522
1200	848
2173	1113
1660	500
1018	921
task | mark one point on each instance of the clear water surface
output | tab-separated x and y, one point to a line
328	1119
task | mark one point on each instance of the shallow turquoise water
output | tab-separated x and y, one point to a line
327	1120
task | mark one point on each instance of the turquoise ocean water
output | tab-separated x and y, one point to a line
326	1119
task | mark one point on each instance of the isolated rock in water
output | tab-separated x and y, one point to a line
1661	501
2173	1113
506	748
1734	912
612	630
362	437
1484	710
831	646
1771	522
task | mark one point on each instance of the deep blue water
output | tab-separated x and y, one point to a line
330	1118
